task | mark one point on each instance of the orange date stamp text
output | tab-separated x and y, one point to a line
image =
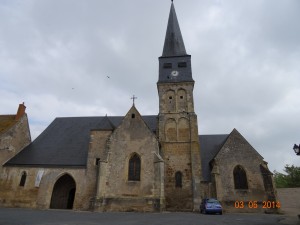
256	204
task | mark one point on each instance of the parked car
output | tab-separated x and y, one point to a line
210	205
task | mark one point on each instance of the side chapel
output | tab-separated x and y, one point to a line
132	162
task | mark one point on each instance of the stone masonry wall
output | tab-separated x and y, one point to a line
13	195
178	135
177	158
237	151
30	196
97	153
115	191
289	199
14	139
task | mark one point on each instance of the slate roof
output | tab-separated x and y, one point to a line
105	124
174	45
65	142
174	54
210	145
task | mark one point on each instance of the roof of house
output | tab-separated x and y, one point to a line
210	145
65	141
105	124
6	121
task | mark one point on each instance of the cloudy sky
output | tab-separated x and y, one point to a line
55	55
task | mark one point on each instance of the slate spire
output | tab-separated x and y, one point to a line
174	45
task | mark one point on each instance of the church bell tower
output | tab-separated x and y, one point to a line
178	131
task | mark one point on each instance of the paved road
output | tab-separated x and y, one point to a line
9	216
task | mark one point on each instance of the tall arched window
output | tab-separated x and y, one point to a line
134	170
170	100
178	179
181	100
240	178
171	130
183	129
23	179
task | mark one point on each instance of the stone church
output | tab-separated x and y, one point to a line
132	162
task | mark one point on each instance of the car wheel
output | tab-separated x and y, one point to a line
221	213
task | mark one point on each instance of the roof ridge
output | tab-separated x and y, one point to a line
66	117
212	134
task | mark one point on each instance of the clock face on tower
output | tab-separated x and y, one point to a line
175	73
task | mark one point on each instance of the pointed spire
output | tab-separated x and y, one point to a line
174	45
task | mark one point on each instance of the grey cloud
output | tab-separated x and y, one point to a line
56	56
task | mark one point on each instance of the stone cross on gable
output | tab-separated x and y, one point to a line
133	98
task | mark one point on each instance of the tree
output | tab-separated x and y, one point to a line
289	180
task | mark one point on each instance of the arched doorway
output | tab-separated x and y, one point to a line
63	193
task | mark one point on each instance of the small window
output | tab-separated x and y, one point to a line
170	97
178	179
134	169
182	64
23	179
181	97
132	115
167	65
97	162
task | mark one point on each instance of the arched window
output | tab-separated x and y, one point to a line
183	129
240	178
181	100
171	130
134	169
23	179
178	179
170	100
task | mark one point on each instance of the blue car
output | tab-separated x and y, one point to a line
211	205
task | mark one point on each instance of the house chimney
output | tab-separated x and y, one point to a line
21	111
